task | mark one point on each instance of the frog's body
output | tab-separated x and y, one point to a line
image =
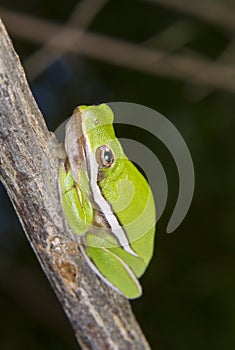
106	200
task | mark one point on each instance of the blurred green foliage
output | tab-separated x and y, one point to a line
188	300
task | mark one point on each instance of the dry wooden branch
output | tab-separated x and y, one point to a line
101	318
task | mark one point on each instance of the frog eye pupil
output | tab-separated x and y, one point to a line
108	156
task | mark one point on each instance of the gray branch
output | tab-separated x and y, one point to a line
100	318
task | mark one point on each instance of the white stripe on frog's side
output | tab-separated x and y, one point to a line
104	205
101	202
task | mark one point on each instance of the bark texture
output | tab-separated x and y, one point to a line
101	318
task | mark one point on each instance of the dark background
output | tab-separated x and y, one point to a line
188	300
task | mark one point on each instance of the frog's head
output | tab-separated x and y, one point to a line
96	142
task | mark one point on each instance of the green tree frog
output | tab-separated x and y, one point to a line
106	201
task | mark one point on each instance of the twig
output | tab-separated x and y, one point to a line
121	53
225	57
81	17
215	12
101	318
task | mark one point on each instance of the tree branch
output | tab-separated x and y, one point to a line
189	68
83	14
101	318
216	12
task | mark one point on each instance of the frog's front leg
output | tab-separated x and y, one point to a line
75	202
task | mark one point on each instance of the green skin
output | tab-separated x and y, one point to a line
110	206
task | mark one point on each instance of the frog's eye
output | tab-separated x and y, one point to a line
104	156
